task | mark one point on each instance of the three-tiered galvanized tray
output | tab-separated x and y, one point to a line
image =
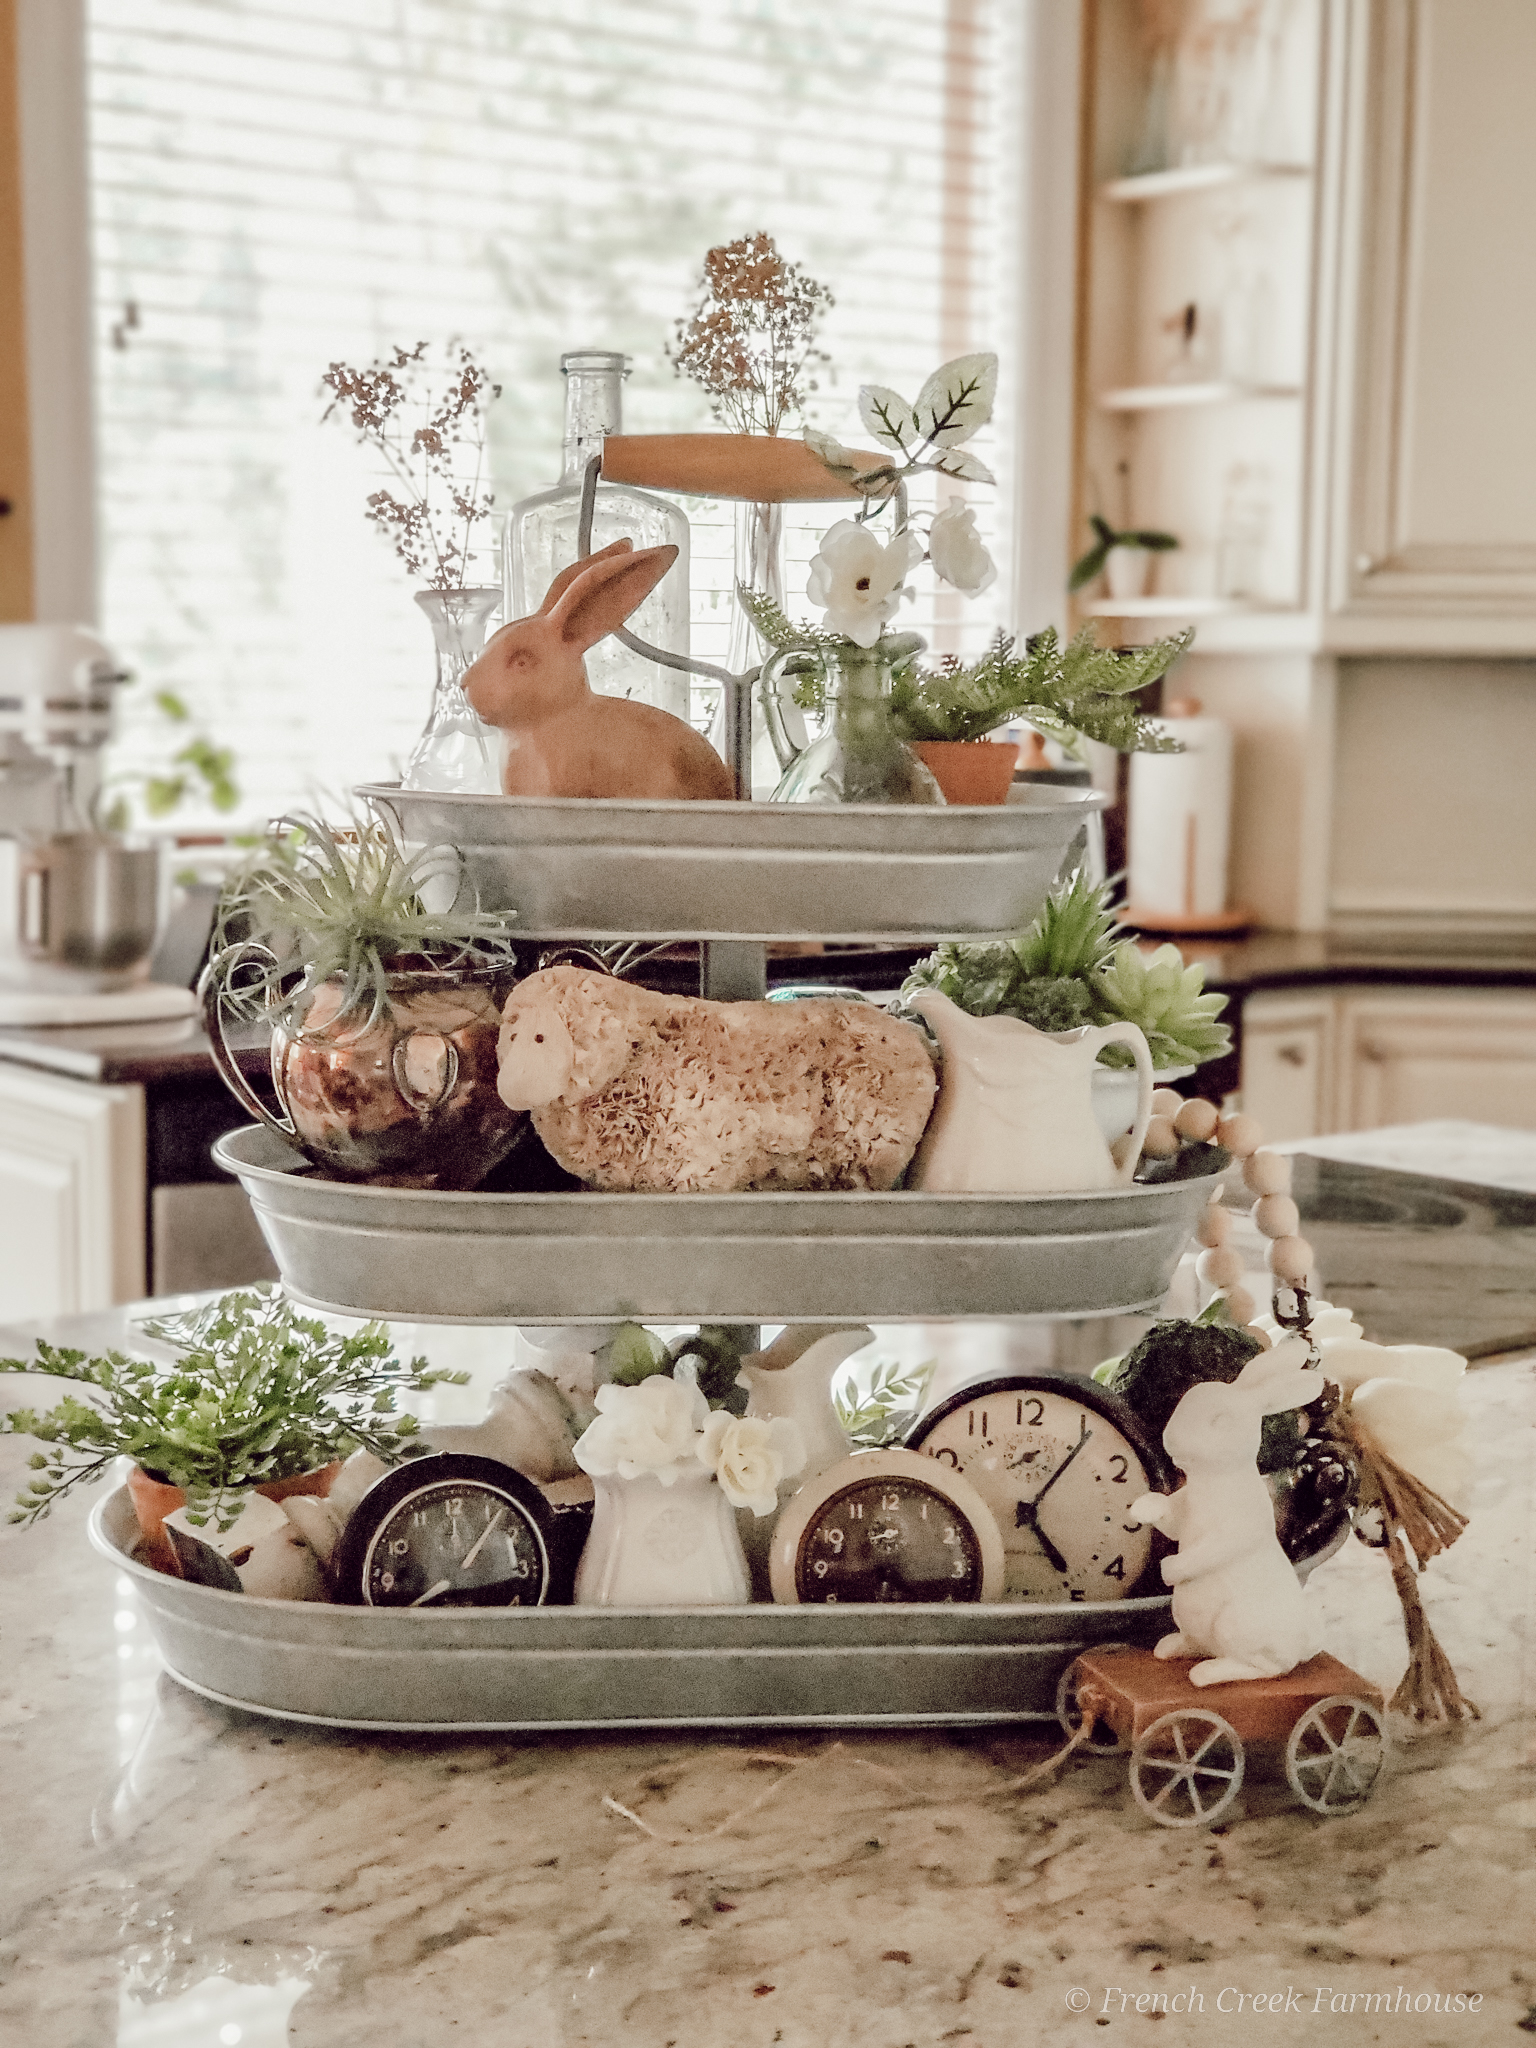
734	875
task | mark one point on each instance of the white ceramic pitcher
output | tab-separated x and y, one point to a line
1015	1111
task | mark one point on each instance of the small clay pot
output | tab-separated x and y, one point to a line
969	771
153	1499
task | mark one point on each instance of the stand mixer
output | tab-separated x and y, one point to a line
80	909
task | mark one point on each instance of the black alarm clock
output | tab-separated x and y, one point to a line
1058	1460
451	1530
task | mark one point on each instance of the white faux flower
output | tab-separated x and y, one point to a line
653	1427
1405	1397
749	1456
957	550
1329	1325
857	581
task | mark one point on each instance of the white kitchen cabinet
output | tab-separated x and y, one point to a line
1353	1059
1408	1055
1440	303
1288	1063
72	1169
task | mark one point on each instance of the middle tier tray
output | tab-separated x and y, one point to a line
611	868
432	1256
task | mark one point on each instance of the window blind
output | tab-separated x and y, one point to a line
278	186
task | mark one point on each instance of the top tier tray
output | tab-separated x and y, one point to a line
612	868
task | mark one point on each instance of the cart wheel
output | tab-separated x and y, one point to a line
1335	1754
1187	1769
1107	1744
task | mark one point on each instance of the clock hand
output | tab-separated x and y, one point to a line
474	1549
1025	1517
442	1586
1084	1439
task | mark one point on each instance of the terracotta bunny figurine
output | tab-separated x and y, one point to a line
1237	1602
563	739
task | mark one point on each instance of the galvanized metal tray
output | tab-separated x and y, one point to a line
433	1256
606	868
596	1668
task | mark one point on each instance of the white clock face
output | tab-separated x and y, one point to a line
1058	1477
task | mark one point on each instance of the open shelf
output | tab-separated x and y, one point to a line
1175	607
1173	184
1166	397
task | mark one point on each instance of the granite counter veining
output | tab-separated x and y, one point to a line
184	1875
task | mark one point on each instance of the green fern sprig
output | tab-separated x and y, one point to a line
1080	689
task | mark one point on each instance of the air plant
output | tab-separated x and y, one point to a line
315	904
428	442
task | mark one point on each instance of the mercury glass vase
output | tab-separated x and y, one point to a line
457	750
860	758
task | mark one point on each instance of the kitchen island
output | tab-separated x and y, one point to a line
186	1874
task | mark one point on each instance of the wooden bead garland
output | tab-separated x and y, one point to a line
1266	1175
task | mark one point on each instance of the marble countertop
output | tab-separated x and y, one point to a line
185	1875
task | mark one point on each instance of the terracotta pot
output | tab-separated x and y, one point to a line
969	771
153	1499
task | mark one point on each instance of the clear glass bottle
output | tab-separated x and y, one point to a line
539	539
457	751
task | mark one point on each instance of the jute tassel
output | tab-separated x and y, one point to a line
1414	1519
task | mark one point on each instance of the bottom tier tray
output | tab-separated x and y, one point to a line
430	1256
597	1668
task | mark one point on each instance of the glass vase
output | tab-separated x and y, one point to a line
659	1544
540	539
860	758
457	750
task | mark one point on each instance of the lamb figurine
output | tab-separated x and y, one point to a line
1237	1603
636	1091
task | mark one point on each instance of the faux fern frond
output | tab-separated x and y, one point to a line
1078	689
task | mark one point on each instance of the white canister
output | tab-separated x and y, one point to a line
1181	821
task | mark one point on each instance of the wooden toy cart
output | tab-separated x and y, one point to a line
1189	1744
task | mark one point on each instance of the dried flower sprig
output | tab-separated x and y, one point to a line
751	342
423	439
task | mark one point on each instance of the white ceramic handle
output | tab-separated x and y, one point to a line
1126	1033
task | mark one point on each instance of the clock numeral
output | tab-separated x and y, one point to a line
855	1511
923	1510
1125	1466
400	1547
830	1601
1077	1593
889	1503
951	1533
947	1457
959	1569
833	1538
1116	1570
821	1567
386	1582
1131	1528
1037	1415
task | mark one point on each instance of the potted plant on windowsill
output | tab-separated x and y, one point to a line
260	1400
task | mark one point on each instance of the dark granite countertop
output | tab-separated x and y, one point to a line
154	1053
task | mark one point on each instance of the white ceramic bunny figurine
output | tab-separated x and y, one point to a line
563	739
1237	1602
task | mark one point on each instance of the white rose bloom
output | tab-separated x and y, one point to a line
957	550
857	581
653	1427
749	1456
1329	1325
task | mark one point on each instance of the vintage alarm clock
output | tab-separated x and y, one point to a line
453	1530
885	1525
1058	1460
